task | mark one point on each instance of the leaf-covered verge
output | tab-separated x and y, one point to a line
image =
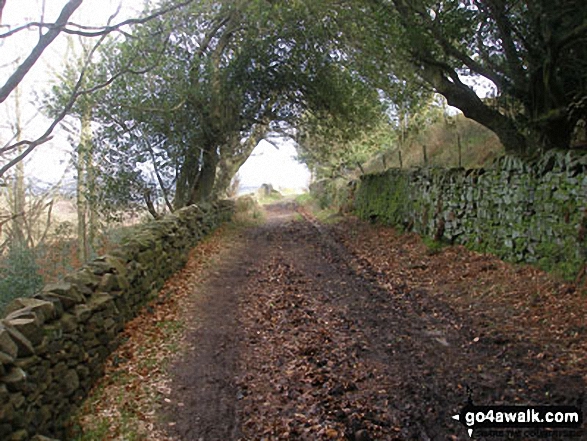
123	405
507	303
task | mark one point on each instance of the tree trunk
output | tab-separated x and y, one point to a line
150	206
202	191
188	175
230	162
18	226
464	98
227	168
83	204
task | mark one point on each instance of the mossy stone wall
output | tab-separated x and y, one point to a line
53	346
523	211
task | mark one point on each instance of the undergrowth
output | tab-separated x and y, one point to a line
248	212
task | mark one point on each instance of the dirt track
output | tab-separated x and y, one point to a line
310	332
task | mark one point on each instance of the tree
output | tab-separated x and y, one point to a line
337	136
44	42
225	71
53	30
80	73
173	112
533	53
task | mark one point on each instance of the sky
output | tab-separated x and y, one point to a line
49	161
278	167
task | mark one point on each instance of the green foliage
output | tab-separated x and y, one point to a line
265	199
532	54
200	81
19	275
434	246
333	154
352	78
304	199
560	259
335	194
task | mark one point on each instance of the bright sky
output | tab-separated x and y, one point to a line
48	162
268	165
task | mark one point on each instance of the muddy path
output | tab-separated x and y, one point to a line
306	331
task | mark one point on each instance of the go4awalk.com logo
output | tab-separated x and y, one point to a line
531	418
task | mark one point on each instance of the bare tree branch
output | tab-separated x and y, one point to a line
38	50
77	92
88	31
59	26
159	178
95	31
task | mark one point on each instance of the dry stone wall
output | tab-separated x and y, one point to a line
523	211
53	346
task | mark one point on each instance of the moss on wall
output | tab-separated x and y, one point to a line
522	211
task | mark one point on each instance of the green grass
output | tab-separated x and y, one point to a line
269	199
479	147
434	246
99	431
304	199
328	216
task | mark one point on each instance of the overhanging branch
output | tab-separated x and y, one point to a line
76	93
38	50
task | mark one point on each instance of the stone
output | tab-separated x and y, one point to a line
82	372
23	313
42	438
111	325
108	264
29	327
57	305
24	346
21	435
42	348
60	369
67	293
28	362
4	394
42	309
69	323
15	380
70	382
101	301
44	415
7	345
5	430
85	280
362	435
109	283
17	400
6	412
82	313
